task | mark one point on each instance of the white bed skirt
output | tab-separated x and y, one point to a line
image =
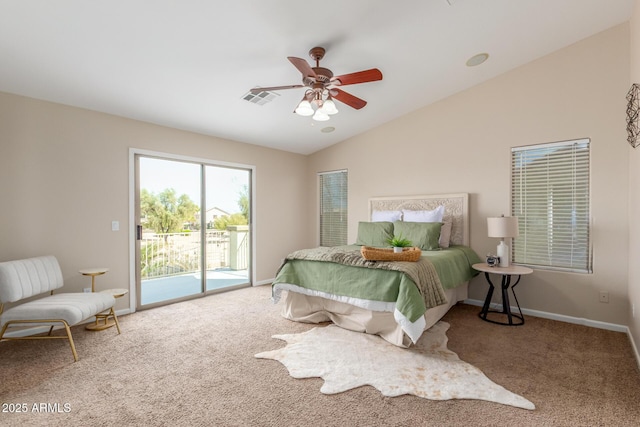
314	309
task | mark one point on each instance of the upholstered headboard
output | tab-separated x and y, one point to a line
456	209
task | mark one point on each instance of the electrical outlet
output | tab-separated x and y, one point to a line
604	296
87	290
115	225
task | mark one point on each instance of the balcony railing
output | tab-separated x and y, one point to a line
167	254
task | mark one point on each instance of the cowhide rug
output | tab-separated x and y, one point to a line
347	359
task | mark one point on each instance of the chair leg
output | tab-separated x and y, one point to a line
49	336
50	330
115	319
73	347
4	328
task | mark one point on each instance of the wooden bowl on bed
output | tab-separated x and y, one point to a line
381	254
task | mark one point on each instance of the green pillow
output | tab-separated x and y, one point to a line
424	235
374	234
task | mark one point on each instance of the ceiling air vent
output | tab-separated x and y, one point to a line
260	98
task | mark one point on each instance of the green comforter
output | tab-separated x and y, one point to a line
339	272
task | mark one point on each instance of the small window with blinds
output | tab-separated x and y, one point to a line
333	208
550	197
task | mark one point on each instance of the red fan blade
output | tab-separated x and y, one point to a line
264	89
365	76
347	98
303	66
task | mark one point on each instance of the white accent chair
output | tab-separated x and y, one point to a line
25	278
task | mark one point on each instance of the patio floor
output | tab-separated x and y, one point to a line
172	287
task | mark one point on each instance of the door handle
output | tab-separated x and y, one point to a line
138	232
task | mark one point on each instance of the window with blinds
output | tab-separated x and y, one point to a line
550	197
333	208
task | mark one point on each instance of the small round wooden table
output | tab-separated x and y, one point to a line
506	273
107	317
103	320
93	272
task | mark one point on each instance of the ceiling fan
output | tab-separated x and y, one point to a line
322	87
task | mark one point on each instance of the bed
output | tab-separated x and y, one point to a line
396	300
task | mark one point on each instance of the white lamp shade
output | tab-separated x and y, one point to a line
304	108
320	116
329	107
503	226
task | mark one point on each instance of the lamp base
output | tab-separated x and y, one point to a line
503	254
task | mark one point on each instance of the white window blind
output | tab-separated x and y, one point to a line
333	208
550	197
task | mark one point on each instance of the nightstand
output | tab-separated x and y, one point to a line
506	274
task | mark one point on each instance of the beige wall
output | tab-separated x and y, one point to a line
634	187
64	176
462	144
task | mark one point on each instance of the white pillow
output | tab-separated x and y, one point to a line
390	216
424	216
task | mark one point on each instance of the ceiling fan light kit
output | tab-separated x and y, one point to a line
322	87
324	107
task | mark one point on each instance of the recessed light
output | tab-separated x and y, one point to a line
477	59
328	129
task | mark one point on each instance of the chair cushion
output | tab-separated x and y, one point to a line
71	307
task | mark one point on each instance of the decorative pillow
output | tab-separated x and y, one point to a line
445	234
424	235
374	234
390	216
424	216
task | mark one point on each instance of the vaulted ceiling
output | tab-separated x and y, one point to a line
188	64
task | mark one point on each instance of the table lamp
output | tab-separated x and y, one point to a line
503	227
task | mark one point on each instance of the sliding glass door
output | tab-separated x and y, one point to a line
227	226
192	229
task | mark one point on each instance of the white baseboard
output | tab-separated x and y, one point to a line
634	347
568	319
264	282
558	317
42	329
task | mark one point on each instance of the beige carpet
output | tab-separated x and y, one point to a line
193	364
346	360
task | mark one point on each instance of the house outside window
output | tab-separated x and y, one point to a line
333	208
550	196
